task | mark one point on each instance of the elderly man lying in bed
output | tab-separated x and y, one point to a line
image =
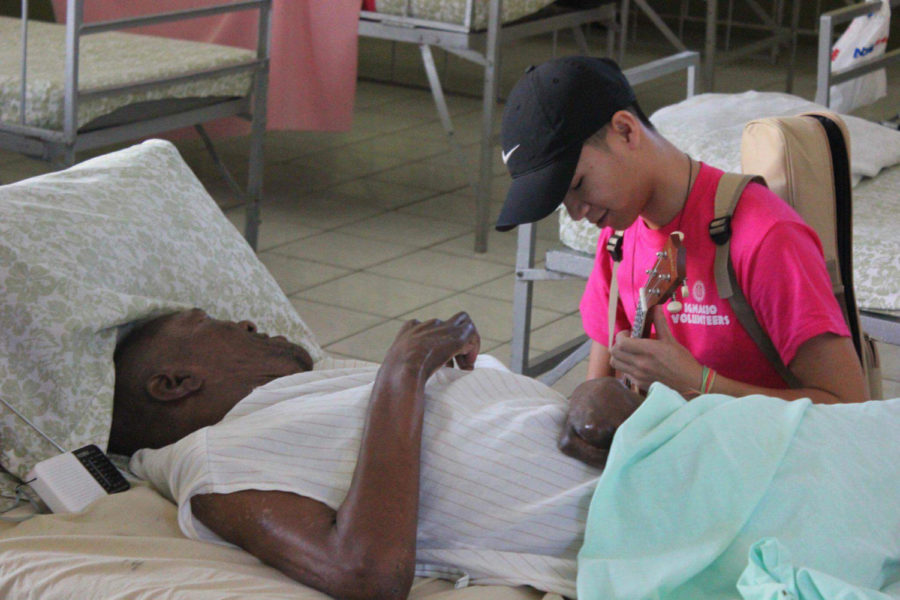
353	479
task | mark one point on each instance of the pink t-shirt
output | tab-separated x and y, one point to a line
778	263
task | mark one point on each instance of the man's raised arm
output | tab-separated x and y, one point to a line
365	549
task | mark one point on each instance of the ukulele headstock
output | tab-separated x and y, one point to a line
665	277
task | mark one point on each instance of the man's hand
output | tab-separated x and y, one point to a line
661	359
427	346
596	409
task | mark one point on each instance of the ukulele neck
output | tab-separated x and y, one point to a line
641	327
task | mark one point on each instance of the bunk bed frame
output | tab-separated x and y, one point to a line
60	146
481	47
777	35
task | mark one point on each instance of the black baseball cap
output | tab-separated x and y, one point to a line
549	114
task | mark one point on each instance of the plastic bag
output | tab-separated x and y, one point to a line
864	40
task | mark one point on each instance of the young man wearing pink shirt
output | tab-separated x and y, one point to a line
574	134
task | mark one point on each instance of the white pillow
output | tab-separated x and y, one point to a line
88	250
709	128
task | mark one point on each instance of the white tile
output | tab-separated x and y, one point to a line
343	250
293	274
385	194
440	174
276	227
501	247
406	229
374	294
371	344
371	94
450	206
560	295
355	161
440	269
331	323
493	318
556	333
324	210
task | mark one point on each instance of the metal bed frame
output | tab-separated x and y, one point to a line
59	146
482	48
563	262
778	35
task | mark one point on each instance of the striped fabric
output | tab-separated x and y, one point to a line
499	504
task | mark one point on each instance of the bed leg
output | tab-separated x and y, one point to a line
522	297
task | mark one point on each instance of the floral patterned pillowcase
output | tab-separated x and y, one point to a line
86	251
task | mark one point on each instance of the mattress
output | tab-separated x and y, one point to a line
107	59
876	244
454	11
128	545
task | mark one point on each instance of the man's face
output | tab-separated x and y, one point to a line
231	358
603	190
234	348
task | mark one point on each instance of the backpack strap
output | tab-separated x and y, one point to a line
728	192
614	247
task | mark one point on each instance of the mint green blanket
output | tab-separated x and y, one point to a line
752	498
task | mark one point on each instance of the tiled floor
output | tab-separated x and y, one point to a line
366	228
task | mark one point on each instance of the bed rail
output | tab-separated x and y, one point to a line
827	22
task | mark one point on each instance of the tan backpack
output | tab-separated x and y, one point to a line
805	159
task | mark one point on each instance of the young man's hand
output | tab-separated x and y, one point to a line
662	359
596	409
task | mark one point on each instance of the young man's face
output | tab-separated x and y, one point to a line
601	190
606	189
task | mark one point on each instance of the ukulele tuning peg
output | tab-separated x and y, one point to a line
674	306
685	292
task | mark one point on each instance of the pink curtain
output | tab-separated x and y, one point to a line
312	79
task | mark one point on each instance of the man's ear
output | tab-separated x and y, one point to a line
173	385
626	126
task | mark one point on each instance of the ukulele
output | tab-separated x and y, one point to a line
663	279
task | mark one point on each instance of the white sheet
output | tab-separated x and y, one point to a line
128	546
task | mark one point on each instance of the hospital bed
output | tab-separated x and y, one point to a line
67	88
83	252
709	128
476	31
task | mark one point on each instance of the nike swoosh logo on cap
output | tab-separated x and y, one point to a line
505	155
